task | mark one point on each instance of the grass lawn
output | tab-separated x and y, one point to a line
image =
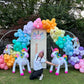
73	77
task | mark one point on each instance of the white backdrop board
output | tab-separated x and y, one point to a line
38	43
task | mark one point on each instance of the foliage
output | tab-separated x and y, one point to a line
60	11
10	13
80	24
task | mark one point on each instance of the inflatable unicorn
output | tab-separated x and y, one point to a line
58	61
8	49
21	62
76	44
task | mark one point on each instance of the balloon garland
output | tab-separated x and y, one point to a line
70	46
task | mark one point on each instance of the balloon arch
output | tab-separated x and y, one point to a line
65	40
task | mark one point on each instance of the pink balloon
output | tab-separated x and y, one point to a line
77	66
1	60
2	66
6	68
81	60
38	23
82	66
81	70
81	63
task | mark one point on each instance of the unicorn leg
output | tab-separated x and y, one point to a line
23	68
58	69
21	71
55	68
66	68
28	67
51	69
14	65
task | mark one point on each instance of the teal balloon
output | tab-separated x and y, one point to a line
13	41
61	46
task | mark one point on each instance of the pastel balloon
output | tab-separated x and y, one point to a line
38	23
76	66
56	32
49	24
28	28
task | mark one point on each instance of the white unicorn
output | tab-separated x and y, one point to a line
76	43
21	62
8	49
58	61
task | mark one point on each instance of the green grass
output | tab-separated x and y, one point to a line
73	77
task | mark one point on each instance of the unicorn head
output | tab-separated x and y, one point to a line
55	52
9	46
25	52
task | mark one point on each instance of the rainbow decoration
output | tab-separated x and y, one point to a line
65	57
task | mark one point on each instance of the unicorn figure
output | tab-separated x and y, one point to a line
21	62
8	49
58	61
76	44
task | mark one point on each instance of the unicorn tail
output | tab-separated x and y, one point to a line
65	57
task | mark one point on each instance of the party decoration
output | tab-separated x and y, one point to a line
8	49
9	60
77	55
38	36
22	41
76	44
3	65
14	53
73	59
48	25
68	46
28	28
58	61
38	23
56	32
17	52
17	46
21	62
79	51
80	65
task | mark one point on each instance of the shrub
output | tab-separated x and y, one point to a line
60	12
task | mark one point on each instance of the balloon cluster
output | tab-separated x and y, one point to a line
9	60
48	25
73	59
79	51
38	24
3	65
28	28
80	65
77	55
56	32
13	53
66	44
22	41
68	47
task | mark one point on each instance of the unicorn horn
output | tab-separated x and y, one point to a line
28	49
52	48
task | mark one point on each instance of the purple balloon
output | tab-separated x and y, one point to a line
79	56
77	62
72	63
69	61
28	28
81	48
74	55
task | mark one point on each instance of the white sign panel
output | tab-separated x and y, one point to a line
38	43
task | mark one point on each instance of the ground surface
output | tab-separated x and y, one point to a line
73	77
